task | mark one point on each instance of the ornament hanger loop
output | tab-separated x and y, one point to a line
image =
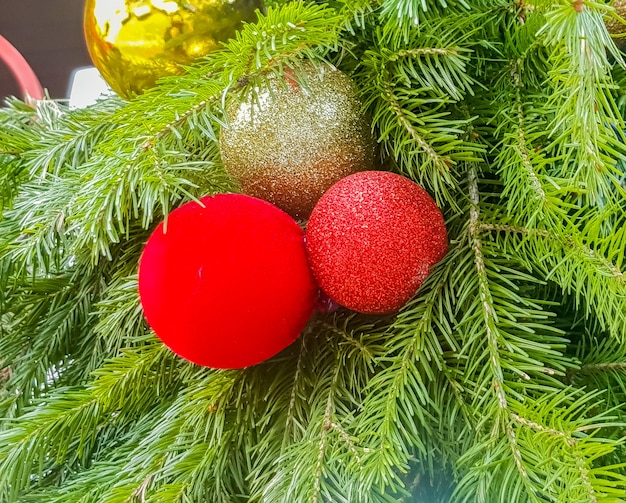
29	84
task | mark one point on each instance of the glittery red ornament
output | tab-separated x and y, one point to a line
372	239
227	285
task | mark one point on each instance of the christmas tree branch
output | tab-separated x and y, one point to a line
486	300
438	69
28	444
289	435
434	153
516	203
601	357
576	267
442	164
601	367
575	437
76	418
501	355
533	195
314	465
408	363
582	97
537	427
325	427
120	318
402	17
490	320
47	319
343	434
123	178
414	124
568	240
340	328
188	443
171	127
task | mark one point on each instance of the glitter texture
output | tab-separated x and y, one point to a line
372	239
291	144
613	25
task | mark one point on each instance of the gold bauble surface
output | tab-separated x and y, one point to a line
290	144
135	42
614	26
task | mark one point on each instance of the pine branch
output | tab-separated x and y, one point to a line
603	367
325	427
396	422
402	17
190	446
505	447
355	14
491	326
90	485
289	435
530	193
44	323
576	267
321	455
582	132
603	360
414	126
70	420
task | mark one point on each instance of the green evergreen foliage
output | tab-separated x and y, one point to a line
503	380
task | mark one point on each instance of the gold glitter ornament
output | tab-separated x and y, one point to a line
613	25
135	42
291	142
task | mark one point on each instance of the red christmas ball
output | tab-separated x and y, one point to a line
226	284
372	239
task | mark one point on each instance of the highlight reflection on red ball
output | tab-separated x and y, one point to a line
372	239
227	285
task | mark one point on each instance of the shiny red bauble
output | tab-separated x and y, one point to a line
372	239
226	283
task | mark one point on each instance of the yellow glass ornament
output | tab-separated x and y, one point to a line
135	42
